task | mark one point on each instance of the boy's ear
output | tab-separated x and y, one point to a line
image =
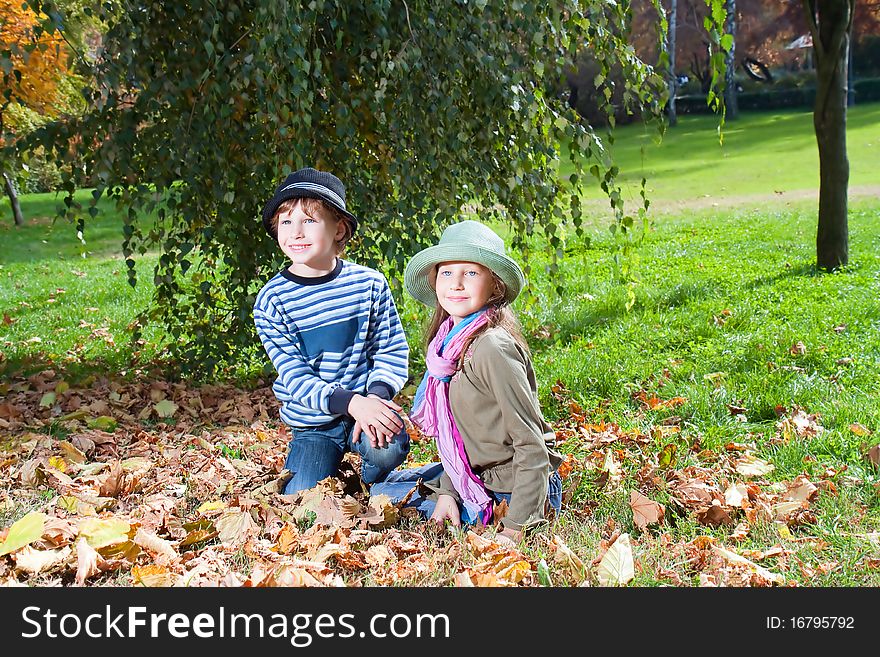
340	229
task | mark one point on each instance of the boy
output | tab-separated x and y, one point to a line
332	331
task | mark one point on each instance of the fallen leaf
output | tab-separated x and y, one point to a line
158	547
544	574
88	561
101	532
739	560
463	579
102	423
153	575
714	515
859	429
751	466
645	511
735	494
165	408
378	555
617	567
564	556
802	490
235	526
23	532
33	561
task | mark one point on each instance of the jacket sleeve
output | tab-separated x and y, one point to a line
387	349
443	486
504	368
303	386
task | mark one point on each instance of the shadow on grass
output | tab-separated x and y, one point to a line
610	311
804	269
77	372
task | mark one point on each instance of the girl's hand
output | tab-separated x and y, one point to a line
509	537
376	417
446	509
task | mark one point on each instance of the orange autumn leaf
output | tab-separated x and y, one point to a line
42	68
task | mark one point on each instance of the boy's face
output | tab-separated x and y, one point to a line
309	240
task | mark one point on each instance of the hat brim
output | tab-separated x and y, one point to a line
418	277
272	206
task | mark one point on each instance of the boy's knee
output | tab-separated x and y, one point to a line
392	454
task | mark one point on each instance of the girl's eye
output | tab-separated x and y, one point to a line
445	273
471	272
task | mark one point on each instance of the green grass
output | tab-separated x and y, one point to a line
763	154
68	300
725	294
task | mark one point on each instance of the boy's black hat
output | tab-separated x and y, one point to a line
308	183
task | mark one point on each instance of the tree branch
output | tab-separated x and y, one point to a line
810	13
842	29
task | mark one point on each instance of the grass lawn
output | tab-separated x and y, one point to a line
737	351
763	155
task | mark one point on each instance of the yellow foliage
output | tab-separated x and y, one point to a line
41	68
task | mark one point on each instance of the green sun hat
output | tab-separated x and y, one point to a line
466	241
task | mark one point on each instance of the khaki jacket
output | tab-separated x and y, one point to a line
509	444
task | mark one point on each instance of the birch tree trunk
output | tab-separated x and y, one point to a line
730	95
13	200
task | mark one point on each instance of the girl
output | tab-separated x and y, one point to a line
478	396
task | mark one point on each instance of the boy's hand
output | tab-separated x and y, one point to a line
376	417
446	509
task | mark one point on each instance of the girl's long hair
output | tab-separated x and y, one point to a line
500	315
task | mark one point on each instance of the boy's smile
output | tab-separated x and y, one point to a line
309	241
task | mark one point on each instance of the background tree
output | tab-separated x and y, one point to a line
426	110
33	61
730	63
673	76
831	23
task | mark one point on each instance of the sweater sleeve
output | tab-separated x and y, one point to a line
387	349
305	388
503	367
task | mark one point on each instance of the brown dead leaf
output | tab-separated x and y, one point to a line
798	349
752	466
740	561
287	540
159	548
801	490
645	511
735	495
31	561
378	555
153	575
714	515
567	559
463	579
88	561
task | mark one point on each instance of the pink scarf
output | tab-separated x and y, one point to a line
433	414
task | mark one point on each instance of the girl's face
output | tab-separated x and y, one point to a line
463	288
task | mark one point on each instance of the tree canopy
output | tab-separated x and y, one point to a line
425	111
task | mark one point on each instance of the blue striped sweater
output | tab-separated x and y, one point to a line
329	338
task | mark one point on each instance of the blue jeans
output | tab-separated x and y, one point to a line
316	452
397	484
